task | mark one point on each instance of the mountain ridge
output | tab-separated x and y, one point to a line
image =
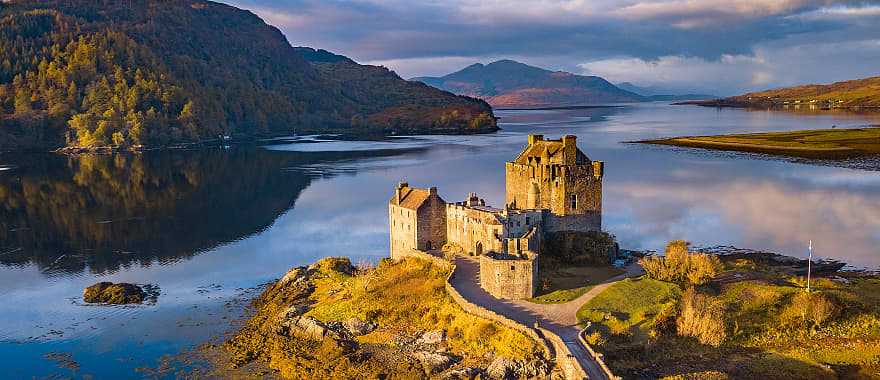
508	83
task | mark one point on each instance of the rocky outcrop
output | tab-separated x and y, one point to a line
432	337
358	327
503	368
434	362
114	294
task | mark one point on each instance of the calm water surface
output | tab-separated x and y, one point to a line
209	227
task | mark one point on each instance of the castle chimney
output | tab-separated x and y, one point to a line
569	149
598	169
433	190
399	192
535	138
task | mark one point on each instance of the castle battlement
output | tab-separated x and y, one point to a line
551	186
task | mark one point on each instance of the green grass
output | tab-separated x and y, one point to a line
631	305
562	295
820	143
564	282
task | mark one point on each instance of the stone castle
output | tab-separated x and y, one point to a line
551	186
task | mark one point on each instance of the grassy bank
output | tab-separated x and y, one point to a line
411	327
752	321
560	283
816	144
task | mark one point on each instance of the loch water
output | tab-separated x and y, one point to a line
208	227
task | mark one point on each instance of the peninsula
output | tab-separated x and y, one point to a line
851	94
814	144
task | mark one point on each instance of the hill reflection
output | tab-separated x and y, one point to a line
97	212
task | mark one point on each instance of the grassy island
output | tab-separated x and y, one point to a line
332	320
815	144
751	319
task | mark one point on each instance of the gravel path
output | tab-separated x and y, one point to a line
561	319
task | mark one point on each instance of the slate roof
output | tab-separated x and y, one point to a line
412	198
554	152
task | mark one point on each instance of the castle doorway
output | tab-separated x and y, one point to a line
479	248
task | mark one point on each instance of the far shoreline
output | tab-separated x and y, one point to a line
825	144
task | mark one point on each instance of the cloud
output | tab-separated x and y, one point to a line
720	39
767	66
840	13
689	14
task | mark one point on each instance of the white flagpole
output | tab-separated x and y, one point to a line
809	266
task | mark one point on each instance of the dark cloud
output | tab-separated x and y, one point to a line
418	38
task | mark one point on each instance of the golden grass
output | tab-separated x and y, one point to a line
408	297
820	143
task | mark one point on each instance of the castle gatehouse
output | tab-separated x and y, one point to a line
551	186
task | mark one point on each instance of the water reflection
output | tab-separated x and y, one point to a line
101	212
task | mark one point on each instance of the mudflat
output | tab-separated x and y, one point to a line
817	143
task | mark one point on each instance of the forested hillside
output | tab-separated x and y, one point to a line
95	73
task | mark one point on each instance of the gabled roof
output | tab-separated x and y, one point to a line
553	151
410	197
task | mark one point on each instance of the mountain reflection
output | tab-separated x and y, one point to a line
103	212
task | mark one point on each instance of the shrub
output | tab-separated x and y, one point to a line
701	317
811	309
680	265
594	338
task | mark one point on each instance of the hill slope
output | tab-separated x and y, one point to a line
97	73
509	83
847	94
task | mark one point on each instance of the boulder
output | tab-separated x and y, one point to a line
291	277
115	294
432	337
358	327
291	323
434	362
333	264
502	368
532	369
467	373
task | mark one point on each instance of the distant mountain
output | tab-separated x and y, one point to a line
858	93
509	83
662	94
98	73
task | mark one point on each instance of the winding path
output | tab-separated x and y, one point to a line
561	319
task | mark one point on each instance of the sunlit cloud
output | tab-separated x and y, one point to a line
840	13
730	45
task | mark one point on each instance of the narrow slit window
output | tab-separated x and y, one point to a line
574	201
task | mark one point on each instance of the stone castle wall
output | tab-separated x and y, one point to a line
508	277
431	219
562	189
591	221
476	231
402	224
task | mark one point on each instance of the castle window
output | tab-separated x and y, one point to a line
574	201
528	220
512	267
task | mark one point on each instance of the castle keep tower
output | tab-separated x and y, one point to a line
557	176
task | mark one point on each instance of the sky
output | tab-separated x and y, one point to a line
720	47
